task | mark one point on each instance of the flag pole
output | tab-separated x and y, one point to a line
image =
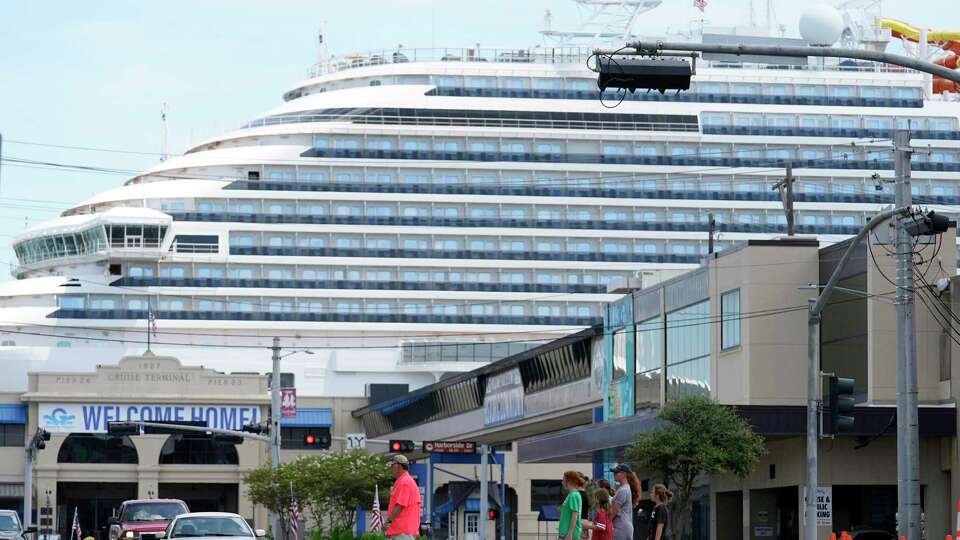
149	317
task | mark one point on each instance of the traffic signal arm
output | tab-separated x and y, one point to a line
124	428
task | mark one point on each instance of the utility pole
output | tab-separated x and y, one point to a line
785	187
275	427
711	232
908	464
813	403
484	490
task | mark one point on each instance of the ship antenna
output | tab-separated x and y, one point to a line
163	131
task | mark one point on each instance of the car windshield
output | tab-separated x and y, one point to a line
152	511
190	527
9	524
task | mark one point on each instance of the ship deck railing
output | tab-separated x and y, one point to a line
546	55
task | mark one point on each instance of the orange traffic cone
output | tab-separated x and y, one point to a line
833	536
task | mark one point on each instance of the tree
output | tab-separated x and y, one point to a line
329	486
699	437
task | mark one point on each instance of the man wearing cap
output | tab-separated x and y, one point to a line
403	514
626	497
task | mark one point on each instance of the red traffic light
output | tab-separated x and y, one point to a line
401	446
311	440
493	514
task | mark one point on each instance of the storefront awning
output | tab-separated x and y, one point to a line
307	417
580	444
13	413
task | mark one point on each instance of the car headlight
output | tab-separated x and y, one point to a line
129	535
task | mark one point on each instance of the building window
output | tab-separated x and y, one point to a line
688	351
545	493
471	523
730	317
11	435
189	450
95	448
649	358
619	355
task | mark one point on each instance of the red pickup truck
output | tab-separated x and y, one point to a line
142	519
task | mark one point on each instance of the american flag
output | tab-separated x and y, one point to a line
75	530
700	4
294	516
376	520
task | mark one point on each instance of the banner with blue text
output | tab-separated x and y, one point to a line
93	417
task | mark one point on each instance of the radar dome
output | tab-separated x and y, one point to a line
821	25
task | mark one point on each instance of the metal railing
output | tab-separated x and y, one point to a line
547	55
187	247
606	125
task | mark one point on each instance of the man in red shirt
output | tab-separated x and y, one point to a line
403	514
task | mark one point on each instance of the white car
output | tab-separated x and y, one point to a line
212	525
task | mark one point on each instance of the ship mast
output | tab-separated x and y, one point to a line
600	21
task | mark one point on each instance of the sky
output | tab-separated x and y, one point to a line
94	73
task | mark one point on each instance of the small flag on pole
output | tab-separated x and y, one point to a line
376	520
294	516
700	4
152	321
75	530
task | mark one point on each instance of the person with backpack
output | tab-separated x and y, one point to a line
660	516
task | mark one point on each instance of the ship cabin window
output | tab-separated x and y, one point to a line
780	120
346	144
514	83
843	122
380	243
776	90
741	89
941	123
279	208
242	272
841	91
416	144
279	240
348	243
482	244
906	93
548	84
416	243
809	90
715	119
71	302
379	144
210	206
175	272
242	239
311	241
140	271
581	84
813	121
103	302
481	82
878	123
874	92
709	88
312	209
210	272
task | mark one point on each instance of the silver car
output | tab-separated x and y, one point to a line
210	525
10	526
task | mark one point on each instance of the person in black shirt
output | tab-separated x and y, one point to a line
660	515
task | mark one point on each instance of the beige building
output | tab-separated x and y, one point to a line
82	468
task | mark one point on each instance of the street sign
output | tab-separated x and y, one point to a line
824	504
450	447
356	441
288	402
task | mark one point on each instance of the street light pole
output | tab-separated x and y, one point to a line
275	427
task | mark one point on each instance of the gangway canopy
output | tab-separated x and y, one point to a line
549	513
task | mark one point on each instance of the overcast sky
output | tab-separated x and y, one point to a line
94	73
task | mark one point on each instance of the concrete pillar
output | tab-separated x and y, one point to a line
746	514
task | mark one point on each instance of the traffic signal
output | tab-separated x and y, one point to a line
841	404
927	224
644	73
401	447
227	439
123	428
258	429
493	513
320	440
40	439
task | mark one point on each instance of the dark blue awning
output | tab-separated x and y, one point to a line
13	413
312	418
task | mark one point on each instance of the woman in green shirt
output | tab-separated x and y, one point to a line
572	508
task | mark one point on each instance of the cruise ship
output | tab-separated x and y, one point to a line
411	213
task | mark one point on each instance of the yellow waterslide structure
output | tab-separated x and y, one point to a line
949	42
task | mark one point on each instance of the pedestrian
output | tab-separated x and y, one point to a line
600	527
584	482
403	514
571	511
660	515
625	499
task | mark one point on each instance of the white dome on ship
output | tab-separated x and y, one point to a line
821	25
